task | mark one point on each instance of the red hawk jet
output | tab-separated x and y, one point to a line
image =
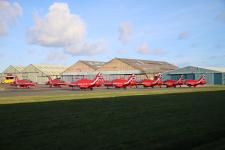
174	83
87	83
157	81
56	82
23	83
121	83
194	83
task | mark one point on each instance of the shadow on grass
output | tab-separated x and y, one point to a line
168	121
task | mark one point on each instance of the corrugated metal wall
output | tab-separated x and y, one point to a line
13	71
1	77
193	76
35	75
218	78
223	78
139	77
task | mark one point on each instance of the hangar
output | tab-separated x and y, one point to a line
12	70
15	70
214	75
116	68
80	69
39	72
122	67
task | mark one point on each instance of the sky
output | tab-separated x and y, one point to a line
183	33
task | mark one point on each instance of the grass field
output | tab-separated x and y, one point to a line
160	119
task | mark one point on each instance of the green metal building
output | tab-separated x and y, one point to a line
39	72
214	75
15	70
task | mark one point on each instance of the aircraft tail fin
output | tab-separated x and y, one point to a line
180	77
97	77
50	79
158	78
16	79
131	78
202	78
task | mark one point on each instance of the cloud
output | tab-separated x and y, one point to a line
144	49
56	56
61	28
125	31
183	35
9	12
58	28
87	48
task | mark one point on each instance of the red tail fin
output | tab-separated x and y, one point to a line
50	79
202	77
16	79
180	77
158	78
131	78
97	77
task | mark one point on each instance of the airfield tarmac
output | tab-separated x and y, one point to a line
11	91
46	90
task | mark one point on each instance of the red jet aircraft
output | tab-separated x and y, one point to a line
56	82
157	81
121	83
194	83
87	83
23	83
174	83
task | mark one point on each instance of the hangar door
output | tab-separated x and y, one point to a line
217	78
175	76
189	76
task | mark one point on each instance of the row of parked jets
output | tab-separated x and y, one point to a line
117	83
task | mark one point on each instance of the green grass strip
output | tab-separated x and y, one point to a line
105	94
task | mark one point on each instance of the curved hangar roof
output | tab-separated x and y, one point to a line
123	66
47	69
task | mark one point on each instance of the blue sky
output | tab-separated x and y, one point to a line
180	32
